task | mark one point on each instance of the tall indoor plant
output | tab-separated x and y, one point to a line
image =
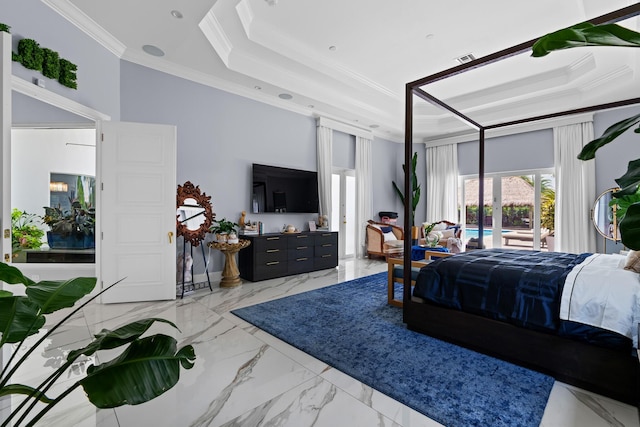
415	195
146	368
587	34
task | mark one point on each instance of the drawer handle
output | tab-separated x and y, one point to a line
326	245
326	235
302	259
302	247
326	256
270	251
273	238
273	263
302	236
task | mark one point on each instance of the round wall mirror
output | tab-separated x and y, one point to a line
604	216
194	214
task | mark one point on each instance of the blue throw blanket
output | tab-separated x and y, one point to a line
515	286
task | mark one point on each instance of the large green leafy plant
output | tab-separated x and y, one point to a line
587	34
25	234
415	196
146	368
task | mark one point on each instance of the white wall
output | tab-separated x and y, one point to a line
35	153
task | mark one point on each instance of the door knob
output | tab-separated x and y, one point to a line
171	237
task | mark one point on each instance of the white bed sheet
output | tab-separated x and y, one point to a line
599	292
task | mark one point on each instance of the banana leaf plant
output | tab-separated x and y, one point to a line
587	34
145	369
415	197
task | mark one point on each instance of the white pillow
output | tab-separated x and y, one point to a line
389	236
449	232
440	226
633	261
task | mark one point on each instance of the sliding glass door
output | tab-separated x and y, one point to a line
518	209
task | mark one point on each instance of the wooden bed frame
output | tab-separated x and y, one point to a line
609	372
604	371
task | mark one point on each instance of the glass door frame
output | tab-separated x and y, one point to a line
496	225
345	214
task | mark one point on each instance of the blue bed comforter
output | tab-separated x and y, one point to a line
515	286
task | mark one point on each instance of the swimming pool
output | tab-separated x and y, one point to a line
473	232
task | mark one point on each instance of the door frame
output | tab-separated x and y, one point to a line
497	201
342	223
11	84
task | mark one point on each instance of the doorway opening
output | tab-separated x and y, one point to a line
343	206
518	208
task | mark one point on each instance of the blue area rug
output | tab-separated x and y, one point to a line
351	327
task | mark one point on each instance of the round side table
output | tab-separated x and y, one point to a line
230	273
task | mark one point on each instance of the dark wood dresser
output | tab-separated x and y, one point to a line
282	254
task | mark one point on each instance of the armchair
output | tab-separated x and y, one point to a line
451	235
383	239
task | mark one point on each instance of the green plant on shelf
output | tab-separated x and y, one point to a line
25	233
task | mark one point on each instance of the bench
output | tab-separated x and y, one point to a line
395	272
524	236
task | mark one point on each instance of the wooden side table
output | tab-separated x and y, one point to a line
230	272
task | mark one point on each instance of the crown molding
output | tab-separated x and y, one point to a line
34	91
215	34
87	25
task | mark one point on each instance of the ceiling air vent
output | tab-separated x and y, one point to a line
465	58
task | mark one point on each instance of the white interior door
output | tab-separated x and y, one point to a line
136	208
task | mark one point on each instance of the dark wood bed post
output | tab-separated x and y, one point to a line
606	371
408	154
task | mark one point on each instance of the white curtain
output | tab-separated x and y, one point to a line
364	200
442	183
575	189
324	154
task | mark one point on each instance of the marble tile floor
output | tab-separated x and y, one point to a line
245	377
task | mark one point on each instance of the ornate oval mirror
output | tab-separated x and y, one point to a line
194	214
604	216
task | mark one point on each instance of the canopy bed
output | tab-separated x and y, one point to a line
610	370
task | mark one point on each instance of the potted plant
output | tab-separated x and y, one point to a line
25	234
148	366
224	230
72	229
587	34
415	187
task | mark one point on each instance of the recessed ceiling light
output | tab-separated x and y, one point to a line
153	50
176	14
374	126
332	48
429	36
285	96
311	106
257	87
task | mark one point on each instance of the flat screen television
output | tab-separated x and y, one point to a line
283	190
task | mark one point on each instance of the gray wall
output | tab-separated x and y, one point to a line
220	135
530	150
98	69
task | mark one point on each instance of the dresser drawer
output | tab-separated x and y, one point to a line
301	239
326	249
300	265
270	255
271	269
270	243
301	251
326	238
325	261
